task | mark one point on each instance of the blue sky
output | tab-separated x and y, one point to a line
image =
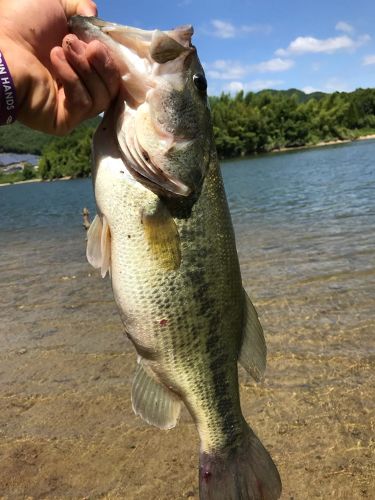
254	44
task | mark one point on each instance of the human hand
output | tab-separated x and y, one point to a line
60	80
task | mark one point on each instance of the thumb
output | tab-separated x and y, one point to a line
80	7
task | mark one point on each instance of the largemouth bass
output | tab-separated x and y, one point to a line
164	233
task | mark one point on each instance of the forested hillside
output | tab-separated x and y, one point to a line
243	125
17	138
68	156
268	120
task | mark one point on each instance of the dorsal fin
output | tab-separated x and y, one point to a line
164	48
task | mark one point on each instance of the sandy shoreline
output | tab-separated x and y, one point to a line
364	137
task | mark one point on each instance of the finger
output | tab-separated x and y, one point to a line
100	59
74	103
80	7
75	53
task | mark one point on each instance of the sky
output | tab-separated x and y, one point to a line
319	45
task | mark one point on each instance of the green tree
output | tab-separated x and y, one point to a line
243	124
68	156
28	172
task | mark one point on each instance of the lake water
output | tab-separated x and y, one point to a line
305	231
8	158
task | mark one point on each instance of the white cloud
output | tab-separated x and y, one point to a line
309	90
309	44
254	85
362	40
224	69
344	26
263	84
336	85
367	60
225	29
272	65
234	87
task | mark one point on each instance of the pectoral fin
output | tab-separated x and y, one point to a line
253	352
152	401
162	236
98	250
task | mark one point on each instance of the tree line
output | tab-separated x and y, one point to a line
270	120
244	124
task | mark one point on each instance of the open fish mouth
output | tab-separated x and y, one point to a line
144	58
150	44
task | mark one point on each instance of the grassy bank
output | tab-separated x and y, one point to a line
25	176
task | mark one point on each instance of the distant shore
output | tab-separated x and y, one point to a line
277	150
365	137
327	143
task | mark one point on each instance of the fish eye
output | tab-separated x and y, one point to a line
200	82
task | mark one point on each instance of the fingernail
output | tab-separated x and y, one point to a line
88	9
75	45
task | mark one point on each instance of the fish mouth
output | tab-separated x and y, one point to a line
144	42
139	54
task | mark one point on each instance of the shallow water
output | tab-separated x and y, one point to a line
304	225
305	231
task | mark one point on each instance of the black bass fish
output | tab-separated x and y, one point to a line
164	233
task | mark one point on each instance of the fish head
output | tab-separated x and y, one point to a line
163	121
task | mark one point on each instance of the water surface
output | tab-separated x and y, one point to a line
8	158
304	225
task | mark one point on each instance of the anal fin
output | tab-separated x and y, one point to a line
253	351
152	401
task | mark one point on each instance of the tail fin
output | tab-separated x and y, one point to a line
243	473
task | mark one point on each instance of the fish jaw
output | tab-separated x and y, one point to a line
131	59
168	117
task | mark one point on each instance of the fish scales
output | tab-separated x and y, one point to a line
164	233
180	318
